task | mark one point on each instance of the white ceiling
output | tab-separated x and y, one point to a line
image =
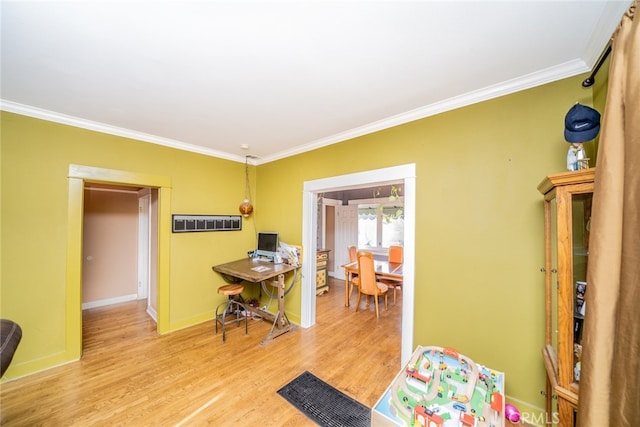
283	77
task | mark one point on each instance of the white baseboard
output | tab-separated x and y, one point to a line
151	312
109	301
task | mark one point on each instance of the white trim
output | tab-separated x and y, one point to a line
360	179
144	244
607	25
528	81
404	173
52	116
109	301
328	202
309	239
331	202
151	312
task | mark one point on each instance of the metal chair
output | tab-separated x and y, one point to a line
234	305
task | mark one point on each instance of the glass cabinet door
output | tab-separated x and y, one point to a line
581	220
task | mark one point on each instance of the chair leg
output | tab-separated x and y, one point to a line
386	306
229	307
358	303
375	298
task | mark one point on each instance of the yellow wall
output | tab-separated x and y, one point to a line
35	164
479	227
479	231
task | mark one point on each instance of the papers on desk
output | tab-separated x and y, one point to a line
261	268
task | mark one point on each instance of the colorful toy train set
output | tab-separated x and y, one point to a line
440	387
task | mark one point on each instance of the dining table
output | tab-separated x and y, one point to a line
384	270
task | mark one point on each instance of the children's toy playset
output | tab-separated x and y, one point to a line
440	387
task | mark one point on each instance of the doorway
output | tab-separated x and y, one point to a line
403	173
119	245
78	176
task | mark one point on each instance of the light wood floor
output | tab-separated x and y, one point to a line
129	375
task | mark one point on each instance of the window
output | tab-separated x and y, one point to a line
380	225
367	226
392	226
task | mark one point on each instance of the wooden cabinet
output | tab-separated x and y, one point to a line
322	280
567	216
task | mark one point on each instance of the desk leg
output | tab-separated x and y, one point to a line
281	321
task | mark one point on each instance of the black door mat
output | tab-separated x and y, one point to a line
324	404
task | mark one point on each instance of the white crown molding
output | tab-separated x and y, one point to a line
549	75
52	116
559	72
607	25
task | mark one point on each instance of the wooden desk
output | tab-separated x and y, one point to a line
384	270
256	271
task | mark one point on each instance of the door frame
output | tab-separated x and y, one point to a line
77	176
405	173
144	249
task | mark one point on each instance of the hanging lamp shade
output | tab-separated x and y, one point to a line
246	207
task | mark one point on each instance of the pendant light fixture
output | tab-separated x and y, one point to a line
246	207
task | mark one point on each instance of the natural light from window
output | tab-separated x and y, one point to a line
380	226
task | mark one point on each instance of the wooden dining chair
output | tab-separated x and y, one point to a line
353	257
353	254
395	256
368	285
